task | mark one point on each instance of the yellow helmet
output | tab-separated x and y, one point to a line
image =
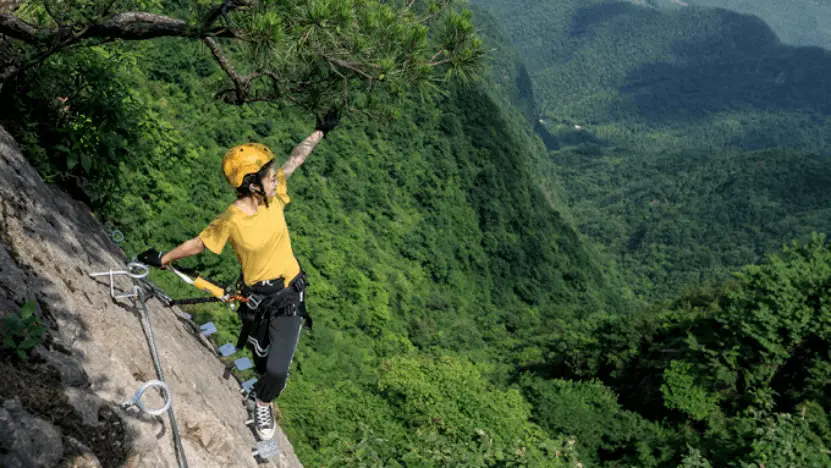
245	159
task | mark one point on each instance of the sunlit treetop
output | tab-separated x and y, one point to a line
317	54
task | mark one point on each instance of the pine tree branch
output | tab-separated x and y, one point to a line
241	83
349	66
16	28
221	11
131	26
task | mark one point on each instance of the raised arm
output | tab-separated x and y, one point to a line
301	152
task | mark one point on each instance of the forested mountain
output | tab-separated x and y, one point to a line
685	217
657	80
680	150
438	265
660	114
798	22
461	319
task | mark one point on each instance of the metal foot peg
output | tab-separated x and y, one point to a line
208	329
243	364
266	449
247	386
227	349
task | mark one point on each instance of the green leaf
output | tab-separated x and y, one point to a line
86	162
71	161
27	310
29	343
12	323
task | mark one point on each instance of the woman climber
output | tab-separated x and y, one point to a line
272	279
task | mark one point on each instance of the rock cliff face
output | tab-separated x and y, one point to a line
61	407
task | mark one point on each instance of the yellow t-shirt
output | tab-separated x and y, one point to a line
261	241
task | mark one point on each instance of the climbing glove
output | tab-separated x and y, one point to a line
151	257
328	122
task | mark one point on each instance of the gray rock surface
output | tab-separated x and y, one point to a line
48	245
27	441
84	458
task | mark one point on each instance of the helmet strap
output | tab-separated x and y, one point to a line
261	192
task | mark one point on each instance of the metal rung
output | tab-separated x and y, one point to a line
266	449
134	270
248	385
243	364
208	329
227	349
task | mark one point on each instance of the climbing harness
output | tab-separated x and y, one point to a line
268	295
272	297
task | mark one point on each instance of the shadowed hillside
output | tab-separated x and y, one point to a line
662	79
680	132
798	22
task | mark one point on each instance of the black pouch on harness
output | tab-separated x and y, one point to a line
267	299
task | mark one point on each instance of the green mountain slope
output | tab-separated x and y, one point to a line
437	263
682	134
659	80
736	373
688	217
460	318
798	22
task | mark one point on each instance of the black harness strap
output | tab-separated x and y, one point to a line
273	299
249	318
196	300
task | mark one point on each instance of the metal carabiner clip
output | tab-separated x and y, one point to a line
254	301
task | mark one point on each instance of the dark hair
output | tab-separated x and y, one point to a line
256	179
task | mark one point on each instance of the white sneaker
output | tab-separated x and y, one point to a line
264	420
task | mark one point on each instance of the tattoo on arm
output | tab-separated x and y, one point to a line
301	152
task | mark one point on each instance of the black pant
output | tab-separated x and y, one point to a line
273	347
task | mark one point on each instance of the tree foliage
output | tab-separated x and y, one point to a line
408	230
690	216
461	318
800	23
319	55
654	80
690	141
